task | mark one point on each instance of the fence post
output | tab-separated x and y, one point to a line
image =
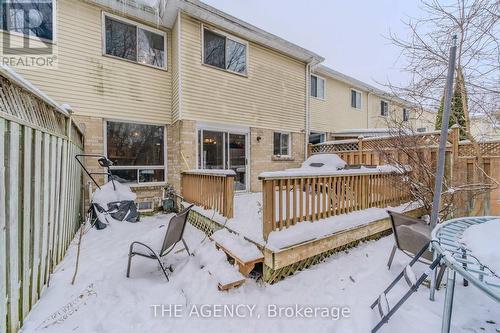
228	197
309	149
360	149
267	207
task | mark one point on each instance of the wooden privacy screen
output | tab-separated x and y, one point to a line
209	190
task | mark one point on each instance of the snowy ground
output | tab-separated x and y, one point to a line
104	300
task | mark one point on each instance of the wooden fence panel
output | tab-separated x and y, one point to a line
209	190
40	196
3	235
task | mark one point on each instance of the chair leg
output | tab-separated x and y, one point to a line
439	278
185	246
162	267
130	255
391	257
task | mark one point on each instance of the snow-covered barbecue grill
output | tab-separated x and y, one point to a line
469	247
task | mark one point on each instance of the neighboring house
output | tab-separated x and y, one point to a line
342	107
486	127
191	87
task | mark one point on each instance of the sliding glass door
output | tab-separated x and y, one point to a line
224	150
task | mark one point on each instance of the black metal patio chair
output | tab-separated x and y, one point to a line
410	235
174	234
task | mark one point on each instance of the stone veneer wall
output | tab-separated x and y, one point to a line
262	159
181	150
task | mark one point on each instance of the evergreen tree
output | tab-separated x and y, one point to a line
457	112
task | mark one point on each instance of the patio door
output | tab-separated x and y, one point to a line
224	150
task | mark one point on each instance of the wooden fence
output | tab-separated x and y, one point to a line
461	161
294	199
40	194
210	189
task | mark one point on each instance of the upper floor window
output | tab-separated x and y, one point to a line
137	151
30	18
355	99
317	87
224	52
126	40
406	114
384	108
281	145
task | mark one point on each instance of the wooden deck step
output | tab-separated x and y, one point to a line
244	253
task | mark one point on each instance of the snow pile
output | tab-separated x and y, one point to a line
222	172
483	240
323	161
215	263
119	304
303	232
237	245
107	194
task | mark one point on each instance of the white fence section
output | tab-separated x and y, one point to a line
40	193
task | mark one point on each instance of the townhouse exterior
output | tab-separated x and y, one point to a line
195	88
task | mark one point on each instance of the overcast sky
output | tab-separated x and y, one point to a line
349	34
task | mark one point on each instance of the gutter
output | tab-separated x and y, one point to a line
307	104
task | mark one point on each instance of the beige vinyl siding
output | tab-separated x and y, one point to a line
272	96
335	113
97	85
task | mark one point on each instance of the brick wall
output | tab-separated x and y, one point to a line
262	159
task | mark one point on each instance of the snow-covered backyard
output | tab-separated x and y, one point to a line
104	300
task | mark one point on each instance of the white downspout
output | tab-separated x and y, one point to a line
368	109
308	114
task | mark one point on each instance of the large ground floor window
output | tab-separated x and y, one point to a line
137	151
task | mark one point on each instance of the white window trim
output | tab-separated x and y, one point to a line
318	132
137	25
324	87
137	167
289	143
231	129
34	38
227	36
360	99
380	110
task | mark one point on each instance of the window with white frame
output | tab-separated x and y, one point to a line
281	145
384	108
224	52
30	18
406	114
355	99
316	137
126	40
317	87
137	151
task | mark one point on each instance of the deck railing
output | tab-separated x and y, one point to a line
40	193
211	189
291	200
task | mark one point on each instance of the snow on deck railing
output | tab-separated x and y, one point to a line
210	189
293	173
290	198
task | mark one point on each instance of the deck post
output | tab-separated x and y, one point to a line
267	213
